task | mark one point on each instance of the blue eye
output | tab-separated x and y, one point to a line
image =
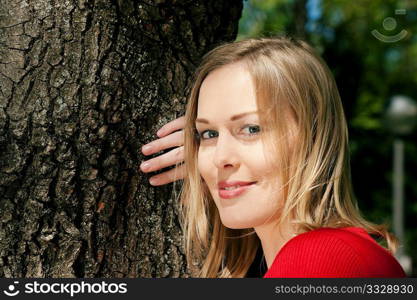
257	129
208	134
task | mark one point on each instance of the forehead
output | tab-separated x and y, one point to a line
225	92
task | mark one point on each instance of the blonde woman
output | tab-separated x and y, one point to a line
265	147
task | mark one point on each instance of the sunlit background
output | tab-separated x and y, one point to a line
371	48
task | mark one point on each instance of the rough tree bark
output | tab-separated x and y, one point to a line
83	84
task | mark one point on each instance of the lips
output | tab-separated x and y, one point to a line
237	188
230	184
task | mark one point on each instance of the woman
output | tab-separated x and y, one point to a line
266	158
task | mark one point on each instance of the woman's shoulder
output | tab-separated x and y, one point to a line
334	252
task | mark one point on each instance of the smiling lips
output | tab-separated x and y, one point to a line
232	189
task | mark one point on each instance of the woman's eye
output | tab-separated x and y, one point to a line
253	129
208	134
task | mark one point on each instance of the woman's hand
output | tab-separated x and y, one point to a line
167	140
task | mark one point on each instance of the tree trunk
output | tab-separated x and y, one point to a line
83	85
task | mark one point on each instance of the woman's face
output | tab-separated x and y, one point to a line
231	149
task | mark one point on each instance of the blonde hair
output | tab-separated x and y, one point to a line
316	171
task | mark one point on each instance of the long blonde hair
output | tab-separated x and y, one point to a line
317	192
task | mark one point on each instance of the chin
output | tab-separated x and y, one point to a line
235	224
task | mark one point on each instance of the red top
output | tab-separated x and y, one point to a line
331	252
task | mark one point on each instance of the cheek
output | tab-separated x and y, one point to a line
203	164
259	162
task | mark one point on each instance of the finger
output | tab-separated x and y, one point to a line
174	125
173	140
165	160
172	175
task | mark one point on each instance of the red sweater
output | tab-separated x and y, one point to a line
330	252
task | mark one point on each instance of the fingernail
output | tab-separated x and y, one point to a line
146	148
153	181
145	165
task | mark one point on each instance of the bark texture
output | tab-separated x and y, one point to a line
83	85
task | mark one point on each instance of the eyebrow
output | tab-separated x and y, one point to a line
233	118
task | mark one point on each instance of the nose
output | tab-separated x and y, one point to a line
226	152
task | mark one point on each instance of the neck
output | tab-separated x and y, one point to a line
273	237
